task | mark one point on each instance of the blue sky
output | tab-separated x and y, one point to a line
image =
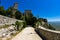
49	9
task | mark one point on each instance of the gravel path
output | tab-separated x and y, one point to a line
27	34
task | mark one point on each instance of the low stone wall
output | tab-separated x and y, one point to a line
48	34
6	20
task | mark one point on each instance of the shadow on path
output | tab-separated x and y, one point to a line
39	33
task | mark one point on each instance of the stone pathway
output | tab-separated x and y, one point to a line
27	34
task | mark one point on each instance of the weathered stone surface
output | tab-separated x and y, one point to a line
6	20
48	34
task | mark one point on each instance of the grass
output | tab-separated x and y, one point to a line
13	35
4	26
8	39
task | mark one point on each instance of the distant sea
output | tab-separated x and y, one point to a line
56	25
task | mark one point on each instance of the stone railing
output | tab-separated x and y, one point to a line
48	34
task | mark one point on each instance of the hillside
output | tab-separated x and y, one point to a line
7	20
55	25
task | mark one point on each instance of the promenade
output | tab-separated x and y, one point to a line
27	34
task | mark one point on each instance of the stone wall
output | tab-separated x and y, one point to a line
7	20
48	34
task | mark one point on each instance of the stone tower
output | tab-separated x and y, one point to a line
27	12
15	7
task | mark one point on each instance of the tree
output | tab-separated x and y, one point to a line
9	12
50	27
18	15
37	24
28	16
34	20
45	20
24	24
40	19
17	25
2	11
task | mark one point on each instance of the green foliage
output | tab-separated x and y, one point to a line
46	25
4	26
17	25
34	20
45	20
50	27
9	13
27	17
18	15
20	25
24	24
2	11
42	19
